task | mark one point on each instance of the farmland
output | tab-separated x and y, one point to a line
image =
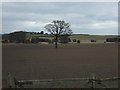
81	36
84	38
43	61
27	37
96	37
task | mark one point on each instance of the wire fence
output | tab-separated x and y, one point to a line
92	82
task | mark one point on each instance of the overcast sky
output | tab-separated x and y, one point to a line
98	18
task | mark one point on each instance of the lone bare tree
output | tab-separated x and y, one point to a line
58	28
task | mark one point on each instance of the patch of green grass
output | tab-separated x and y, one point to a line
96	37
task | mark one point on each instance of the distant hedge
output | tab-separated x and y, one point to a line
113	40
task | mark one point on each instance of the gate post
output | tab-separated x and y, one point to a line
11	81
93	81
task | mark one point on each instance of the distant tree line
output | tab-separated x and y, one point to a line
113	40
17	37
23	37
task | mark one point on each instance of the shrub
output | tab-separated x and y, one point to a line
5	41
93	40
78	41
64	39
74	40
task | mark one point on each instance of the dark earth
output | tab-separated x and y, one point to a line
43	61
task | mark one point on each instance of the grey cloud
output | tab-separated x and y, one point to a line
78	14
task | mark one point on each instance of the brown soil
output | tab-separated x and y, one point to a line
38	61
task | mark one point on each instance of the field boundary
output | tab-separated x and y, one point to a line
93	81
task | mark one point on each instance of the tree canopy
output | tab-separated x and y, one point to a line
58	28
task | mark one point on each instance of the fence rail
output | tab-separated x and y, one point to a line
93	81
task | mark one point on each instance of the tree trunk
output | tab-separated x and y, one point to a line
56	40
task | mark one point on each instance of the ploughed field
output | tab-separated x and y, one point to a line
43	61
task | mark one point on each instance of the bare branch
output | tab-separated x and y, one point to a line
58	28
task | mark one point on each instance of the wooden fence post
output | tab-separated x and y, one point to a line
93	81
11	81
